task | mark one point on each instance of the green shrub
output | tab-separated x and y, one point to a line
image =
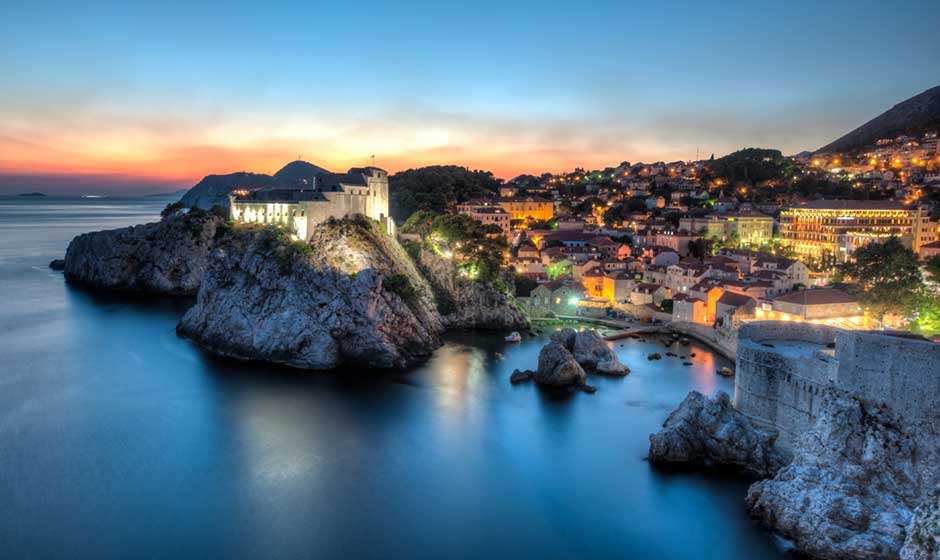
400	285
171	209
413	248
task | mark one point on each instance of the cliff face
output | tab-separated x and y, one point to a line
166	257
466	304
923	534
854	482
353	296
710	433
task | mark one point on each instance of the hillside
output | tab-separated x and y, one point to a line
917	115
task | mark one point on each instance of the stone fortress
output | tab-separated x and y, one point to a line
786	372
313	199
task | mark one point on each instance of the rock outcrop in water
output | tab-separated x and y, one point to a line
557	367
352	296
922	541
466	304
855	480
166	257
709	433
591	351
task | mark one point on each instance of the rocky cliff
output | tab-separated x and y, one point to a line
923	534
166	257
710	433
467	304
853	485
352	296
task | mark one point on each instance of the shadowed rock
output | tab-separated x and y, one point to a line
591	351
165	257
710	433
352	296
557	367
853	485
923	534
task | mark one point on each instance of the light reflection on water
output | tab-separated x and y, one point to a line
119	439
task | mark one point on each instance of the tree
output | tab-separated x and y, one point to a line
932	267
172	209
927	319
420	223
438	188
888	278
702	248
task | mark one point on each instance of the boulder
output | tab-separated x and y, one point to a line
57	264
922	541
518	376
557	367
591	351
706	432
855	480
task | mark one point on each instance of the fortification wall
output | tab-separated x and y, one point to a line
903	373
723	342
782	374
786	371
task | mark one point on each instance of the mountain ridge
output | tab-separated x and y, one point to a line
913	116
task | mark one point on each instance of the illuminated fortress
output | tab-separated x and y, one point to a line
314	200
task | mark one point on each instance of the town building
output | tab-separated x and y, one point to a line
749	226
487	215
831	230
324	195
526	207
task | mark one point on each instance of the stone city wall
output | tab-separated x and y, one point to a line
783	387
786	371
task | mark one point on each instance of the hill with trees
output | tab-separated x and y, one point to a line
752	165
437	188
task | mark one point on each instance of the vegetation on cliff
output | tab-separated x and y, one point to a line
476	248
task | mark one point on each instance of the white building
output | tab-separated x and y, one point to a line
327	195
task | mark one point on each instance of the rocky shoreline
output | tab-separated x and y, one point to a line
350	296
860	484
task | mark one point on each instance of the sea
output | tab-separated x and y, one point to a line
119	439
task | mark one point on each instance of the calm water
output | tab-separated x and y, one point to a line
117	439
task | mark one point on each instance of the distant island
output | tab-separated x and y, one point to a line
32	194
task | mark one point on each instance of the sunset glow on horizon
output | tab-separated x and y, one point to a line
144	97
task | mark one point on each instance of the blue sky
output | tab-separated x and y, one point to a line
146	94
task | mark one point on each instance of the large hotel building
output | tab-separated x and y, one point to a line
834	229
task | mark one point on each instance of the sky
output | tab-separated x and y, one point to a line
147	96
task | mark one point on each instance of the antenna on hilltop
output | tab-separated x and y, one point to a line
373	160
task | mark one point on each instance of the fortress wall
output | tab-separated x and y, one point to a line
785	385
903	373
783	388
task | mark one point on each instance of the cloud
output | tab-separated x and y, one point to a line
120	144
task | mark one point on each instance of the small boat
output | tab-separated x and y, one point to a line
514	337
